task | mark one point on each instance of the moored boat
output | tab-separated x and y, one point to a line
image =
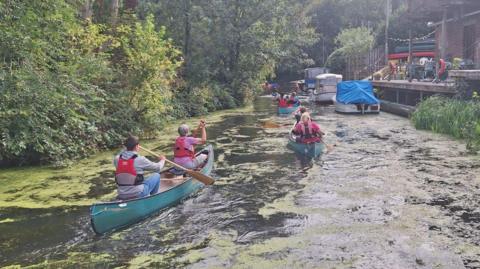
110	216
311	150
356	97
326	88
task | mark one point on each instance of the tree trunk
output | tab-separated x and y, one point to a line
187	35
114	4
131	4
235	48
87	11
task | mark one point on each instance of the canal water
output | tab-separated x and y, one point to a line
387	196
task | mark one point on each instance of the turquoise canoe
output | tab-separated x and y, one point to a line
287	110
311	150
111	216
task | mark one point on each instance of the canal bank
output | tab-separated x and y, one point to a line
388	196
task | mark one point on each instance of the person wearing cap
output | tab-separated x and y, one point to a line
130	169
184	149
308	130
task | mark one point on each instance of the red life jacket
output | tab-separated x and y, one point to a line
181	150
282	102
308	134
125	174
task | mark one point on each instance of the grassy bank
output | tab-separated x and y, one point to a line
460	119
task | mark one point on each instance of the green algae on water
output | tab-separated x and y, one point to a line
77	185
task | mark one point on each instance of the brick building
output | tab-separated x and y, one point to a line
457	24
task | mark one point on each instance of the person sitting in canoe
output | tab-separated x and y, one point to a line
307	130
299	112
184	149
282	101
130	168
293	100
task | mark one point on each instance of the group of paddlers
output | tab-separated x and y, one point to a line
130	166
287	101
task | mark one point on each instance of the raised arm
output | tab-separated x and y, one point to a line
204	132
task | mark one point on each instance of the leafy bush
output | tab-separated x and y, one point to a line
458	118
51	102
68	88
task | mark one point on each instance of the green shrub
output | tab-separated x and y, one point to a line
68	88
458	118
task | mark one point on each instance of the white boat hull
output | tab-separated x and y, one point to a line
357	108
325	97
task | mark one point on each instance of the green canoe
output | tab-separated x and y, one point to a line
111	216
287	110
311	150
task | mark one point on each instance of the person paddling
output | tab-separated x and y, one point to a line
282	102
184	150
308	130
130	169
293	100
299	112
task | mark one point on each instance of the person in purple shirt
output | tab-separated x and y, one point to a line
184	149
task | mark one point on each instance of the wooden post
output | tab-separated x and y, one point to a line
443	38
410	55
387	24
410	46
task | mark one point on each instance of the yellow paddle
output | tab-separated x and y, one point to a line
197	175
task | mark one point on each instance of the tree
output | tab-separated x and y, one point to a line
354	43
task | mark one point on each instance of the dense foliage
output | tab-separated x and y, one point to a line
68	86
458	118
79	75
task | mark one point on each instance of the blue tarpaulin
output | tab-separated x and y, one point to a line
356	92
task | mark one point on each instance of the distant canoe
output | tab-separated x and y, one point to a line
287	110
111	216
311	150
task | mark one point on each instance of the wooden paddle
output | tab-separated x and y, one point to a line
196	175
268	124
329	147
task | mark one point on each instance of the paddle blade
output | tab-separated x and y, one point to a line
200	177
330	148
270	125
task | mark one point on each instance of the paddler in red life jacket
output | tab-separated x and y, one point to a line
184	149
130	169
308	130
282	101
293	100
